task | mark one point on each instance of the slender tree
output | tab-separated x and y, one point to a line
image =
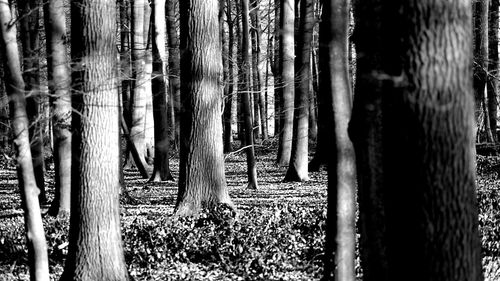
426	176
174	66
481	66
14	84
29	22
298	170
493	65
228	69
287	54
246	96
95	243
139	94
202	181
59	85
161	163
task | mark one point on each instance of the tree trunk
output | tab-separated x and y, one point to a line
14	84
341	221
481	64
427	137
313	106
59	86
365	130
493	65
174	68
95	243
202	181
227	62
139	94
276	68
29	19
298	170
245	96
287	54
161	170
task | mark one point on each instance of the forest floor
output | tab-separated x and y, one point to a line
278	234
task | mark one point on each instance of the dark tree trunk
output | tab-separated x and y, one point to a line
161	170
95	244
14	84
174	69
298	170
313	106
493	65
334	79
59	86
427	137
202	181
365	130
29	18
245	96
227	62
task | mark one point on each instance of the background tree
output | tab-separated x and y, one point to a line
174	68
29	11
161	159
481	67
427	136
493	65
246	68
95	244
202	181
287	55
14	84
298	170
58	73
341	220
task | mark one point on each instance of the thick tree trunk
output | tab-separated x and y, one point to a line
341	221
493	65
59	86
365	130
287	55
29	18
174	69
14	84
202	181
481	66
161	170
246	86
298	170
427	138
95	244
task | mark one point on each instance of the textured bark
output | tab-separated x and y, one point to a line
29	23
341	221
276	67
493	65
174	69
95	243
427	139
246	96
287	54
14	84
59	86
481	66
298	170
202	181
161	170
